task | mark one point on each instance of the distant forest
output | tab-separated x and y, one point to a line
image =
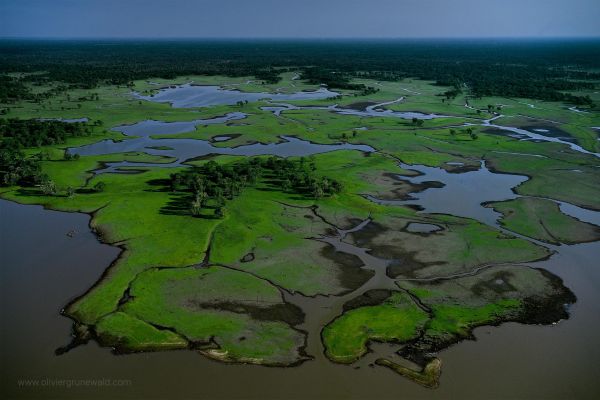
545	69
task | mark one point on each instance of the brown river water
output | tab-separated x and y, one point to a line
43	268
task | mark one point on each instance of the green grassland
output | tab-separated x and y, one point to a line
216	285
397	319
447	311
461	246
507	293
190	302
124	332
542	220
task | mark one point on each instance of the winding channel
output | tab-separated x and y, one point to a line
536	136
182	150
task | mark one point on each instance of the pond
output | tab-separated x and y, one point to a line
190	95
462	194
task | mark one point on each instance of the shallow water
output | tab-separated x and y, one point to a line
187	149
189	95
416	227
462	194
223	138
582	214
378	110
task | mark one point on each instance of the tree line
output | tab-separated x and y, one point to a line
539	70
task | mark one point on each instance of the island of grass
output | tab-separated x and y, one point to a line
542	219
397	319
428	316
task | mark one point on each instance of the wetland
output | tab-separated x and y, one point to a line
385	240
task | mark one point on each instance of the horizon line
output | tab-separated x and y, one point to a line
282	38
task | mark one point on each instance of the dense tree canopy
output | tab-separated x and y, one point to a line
35	133
211	185
535	69
17	134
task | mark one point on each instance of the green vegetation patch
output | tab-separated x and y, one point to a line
210	307
264	236
126	333
211	184
542	219
429	376
564	176
493	296
461	246
432	315
397	319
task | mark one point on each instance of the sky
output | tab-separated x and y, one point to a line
299	18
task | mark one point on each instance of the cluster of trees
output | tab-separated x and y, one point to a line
417	122
211	185
452	93
16	168
268	75
20	133
332	78
17	134
367	90
12	89
577	100
469	132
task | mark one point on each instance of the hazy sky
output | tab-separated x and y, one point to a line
299	18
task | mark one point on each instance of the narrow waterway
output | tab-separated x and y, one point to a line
532	135
375	110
